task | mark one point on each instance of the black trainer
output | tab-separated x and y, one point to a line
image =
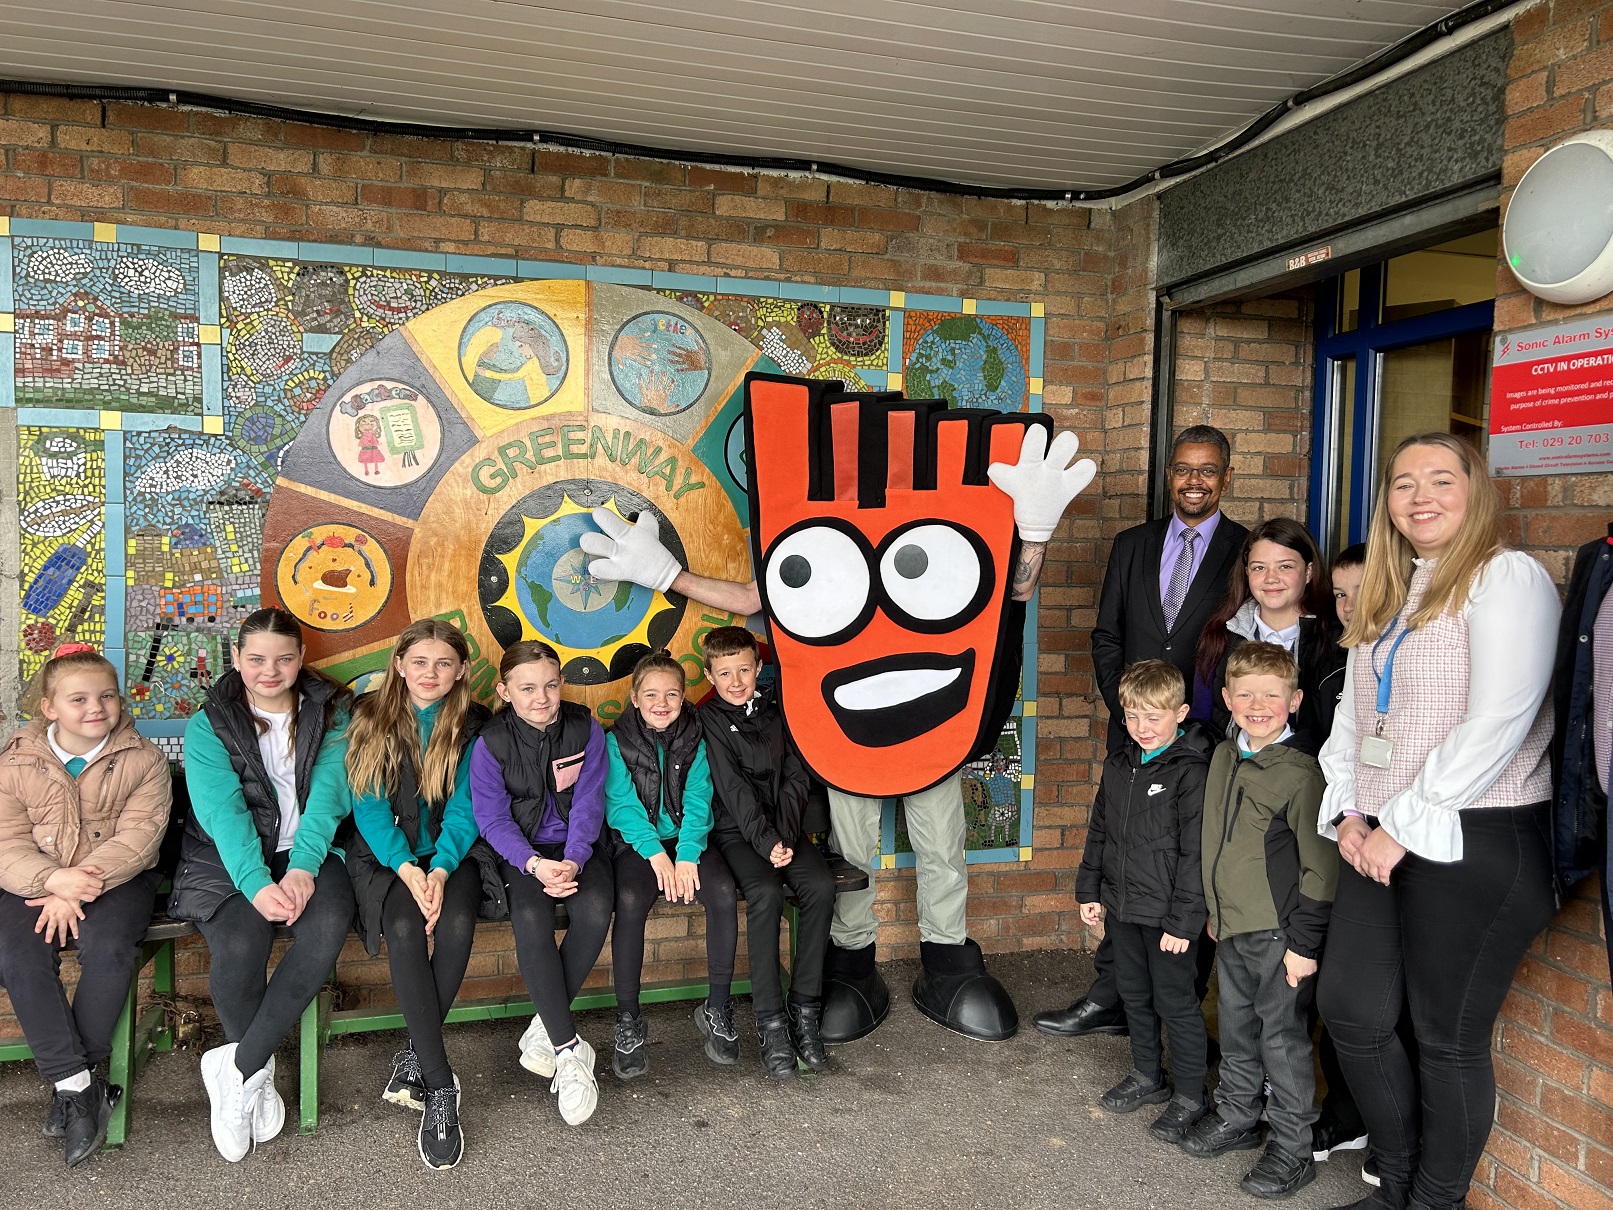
1082	1018
1180	1116
806	1031
1211	1136
778	1052
631	1058
85	1118
1135	1091
1277	1174
716	1026
56	1119
406	1087
442	1142
1370	1173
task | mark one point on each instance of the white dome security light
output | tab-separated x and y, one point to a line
1558	233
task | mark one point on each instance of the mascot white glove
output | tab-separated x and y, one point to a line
625	551
1043	482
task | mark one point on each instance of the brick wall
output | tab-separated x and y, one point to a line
1243	366
168	167
1246	367
1553	1142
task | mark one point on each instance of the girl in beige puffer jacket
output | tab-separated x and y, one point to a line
84	802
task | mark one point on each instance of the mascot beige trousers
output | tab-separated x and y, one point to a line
937	829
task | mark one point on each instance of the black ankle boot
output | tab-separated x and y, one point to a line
855	998
954	990
806	1031
778	1052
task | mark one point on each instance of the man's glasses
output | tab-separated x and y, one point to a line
1204	474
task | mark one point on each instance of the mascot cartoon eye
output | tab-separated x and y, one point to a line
818	584
935	576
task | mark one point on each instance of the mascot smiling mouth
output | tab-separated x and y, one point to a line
889	701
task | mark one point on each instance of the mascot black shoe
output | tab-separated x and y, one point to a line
855	998
954	990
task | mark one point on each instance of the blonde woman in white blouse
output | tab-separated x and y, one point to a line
1438	789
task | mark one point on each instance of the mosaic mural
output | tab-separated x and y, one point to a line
208	424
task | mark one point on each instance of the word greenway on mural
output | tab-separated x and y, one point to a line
582	443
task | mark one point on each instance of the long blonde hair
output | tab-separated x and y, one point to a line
1389	553
385	733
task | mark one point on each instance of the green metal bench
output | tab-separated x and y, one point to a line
134	1037
320	1023
138	1034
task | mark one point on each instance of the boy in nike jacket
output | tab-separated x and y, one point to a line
1268	888
760	789
1140	874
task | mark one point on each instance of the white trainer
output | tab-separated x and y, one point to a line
231	1116
574	1086
269	1113
537	1052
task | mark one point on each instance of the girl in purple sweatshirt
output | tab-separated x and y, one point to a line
537	784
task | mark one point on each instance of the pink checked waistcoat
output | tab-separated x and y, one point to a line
1428	698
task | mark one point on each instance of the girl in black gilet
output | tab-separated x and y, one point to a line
658	802
537	779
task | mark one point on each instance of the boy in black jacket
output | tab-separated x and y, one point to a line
1268	887
760	792
1141	872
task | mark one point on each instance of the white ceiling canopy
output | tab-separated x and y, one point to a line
1049	94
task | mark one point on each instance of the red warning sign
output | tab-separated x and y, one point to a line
1551	399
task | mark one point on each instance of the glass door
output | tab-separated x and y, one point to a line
1403	348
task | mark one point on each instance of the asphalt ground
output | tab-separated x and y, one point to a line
910	1116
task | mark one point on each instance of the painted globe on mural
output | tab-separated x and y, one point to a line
534	583
970	362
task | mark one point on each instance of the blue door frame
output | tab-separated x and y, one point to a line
1366	344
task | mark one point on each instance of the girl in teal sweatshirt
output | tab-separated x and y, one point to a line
259	851
658	801
409	777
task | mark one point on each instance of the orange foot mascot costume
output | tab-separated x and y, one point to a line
884	532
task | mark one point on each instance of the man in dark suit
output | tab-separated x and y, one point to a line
1164	580
1582	748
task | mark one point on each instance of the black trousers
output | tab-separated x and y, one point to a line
258	1011
1154	987
1105	992
68	1038
554	974
809	876
1445	937
426	974
636	894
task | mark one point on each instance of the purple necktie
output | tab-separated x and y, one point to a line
1181	577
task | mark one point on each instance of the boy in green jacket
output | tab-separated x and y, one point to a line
1268	886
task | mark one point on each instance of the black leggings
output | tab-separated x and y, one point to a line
1447	937
427	978
69	1038
554	974
257	1011
636	894
809	876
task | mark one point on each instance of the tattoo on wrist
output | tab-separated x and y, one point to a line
1031	555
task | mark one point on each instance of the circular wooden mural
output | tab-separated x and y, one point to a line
451	470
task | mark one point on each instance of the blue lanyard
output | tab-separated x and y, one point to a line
1387	676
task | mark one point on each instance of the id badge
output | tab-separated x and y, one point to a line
1376	751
